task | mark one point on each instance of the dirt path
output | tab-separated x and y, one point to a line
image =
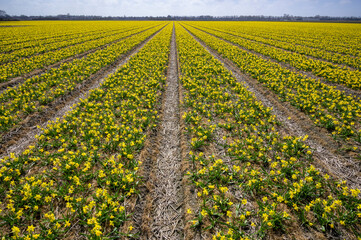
37	72
168	201
339	86
16	142
142	205
298	124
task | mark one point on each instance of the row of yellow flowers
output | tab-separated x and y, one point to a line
292	44
26	65
35	34
326	70
37	92
331	37
266	184
58	43
329	108
74	181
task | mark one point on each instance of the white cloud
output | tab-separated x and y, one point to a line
342	2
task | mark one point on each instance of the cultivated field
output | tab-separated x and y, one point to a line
180	130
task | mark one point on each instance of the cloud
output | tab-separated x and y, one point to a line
342	2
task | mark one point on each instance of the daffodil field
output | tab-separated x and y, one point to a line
330	108
100	136
269	180
19	101
91	172
50	53
300	56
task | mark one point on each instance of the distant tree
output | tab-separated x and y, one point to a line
3	13
4	16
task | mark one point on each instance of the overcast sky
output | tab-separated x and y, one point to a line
183	7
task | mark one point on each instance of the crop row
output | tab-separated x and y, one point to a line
42	33
336	38
26	65
50	38
61	43
290	45
74	181
265	183
331	109
37	92
329	71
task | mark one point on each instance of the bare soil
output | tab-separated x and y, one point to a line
189	192
143	204
15	25
168	200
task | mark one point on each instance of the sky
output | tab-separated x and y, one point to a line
183	7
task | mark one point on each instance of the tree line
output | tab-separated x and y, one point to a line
285	17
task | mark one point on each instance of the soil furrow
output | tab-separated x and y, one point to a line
298	124
168	200
142	205
19	139
37	72
189	192
348	91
